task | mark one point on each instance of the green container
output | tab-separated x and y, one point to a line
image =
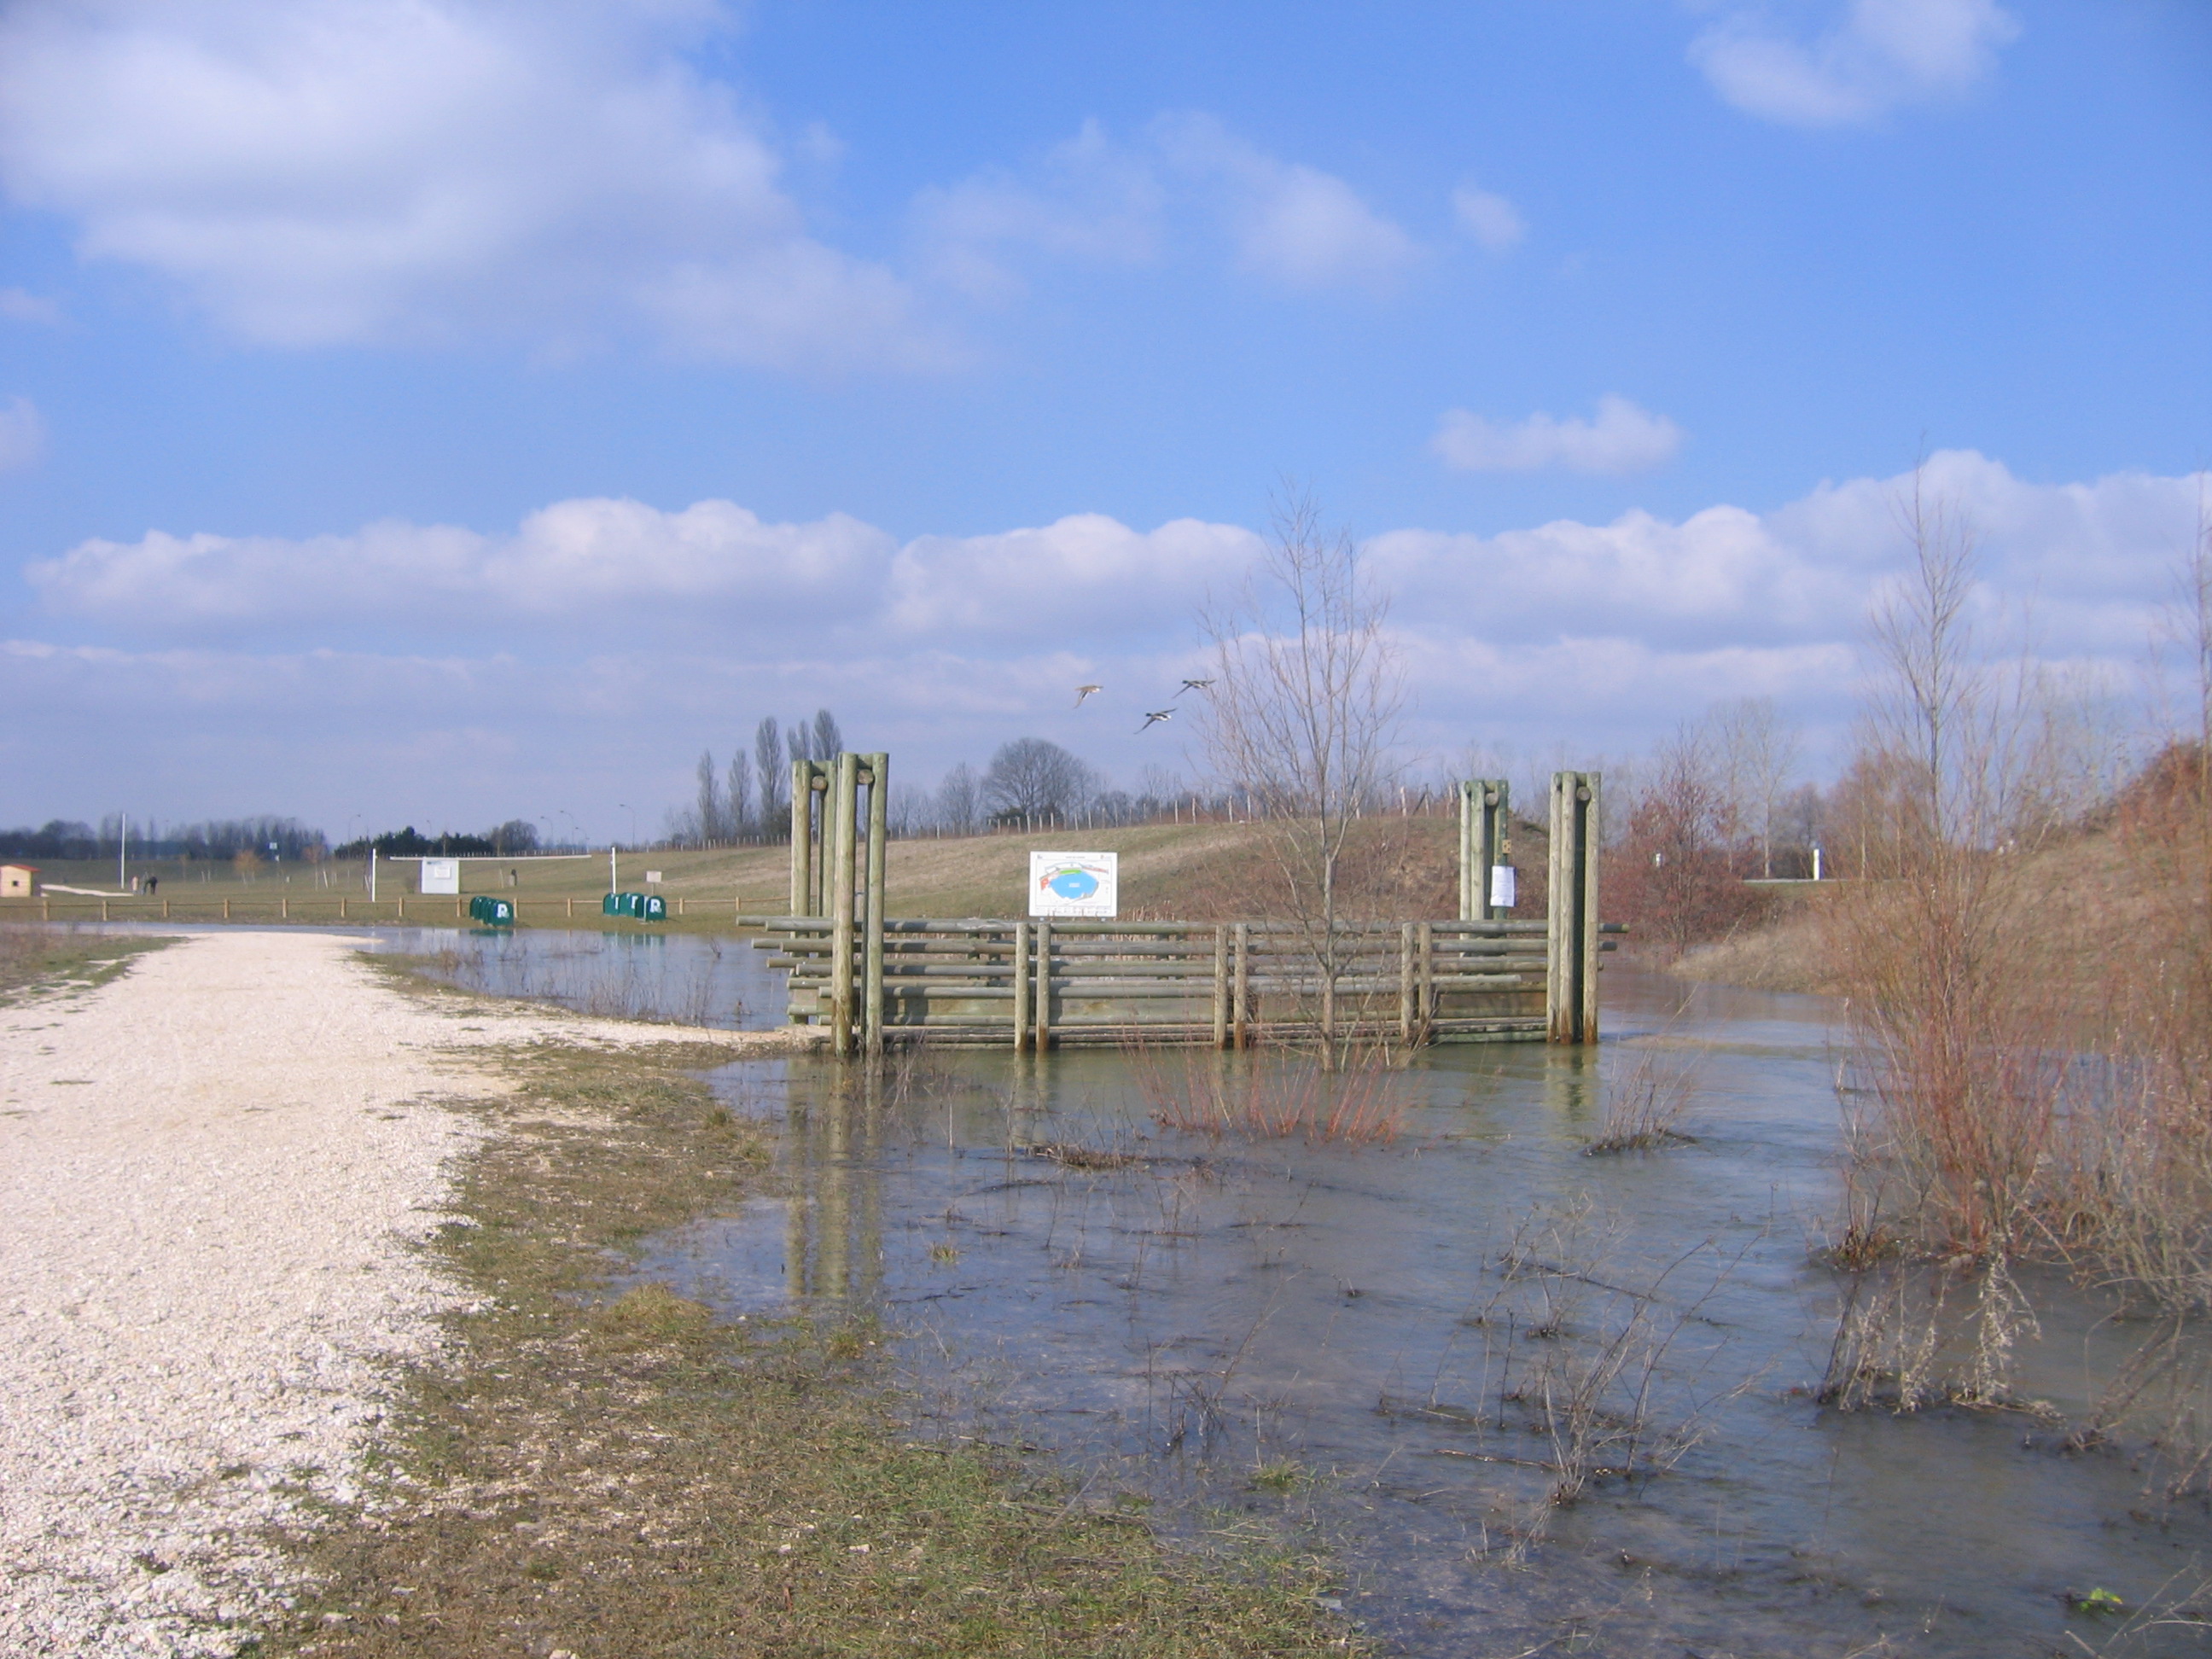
499	912
612	905
654	908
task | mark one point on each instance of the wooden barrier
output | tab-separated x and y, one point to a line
1037	985
1045	985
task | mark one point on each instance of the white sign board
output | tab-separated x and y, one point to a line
442	876
1083	884
1501	886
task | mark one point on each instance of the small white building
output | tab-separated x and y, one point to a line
16	880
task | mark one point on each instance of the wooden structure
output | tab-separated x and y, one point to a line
839	827
1037	984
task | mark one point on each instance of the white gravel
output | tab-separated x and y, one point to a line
210	1170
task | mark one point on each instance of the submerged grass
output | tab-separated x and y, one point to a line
627	1475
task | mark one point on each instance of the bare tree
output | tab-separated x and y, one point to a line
1304	711
1924	640
1758	750
1039	780
828	741
739	795
710	811
775	777
959	805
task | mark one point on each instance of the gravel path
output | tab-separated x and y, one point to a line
210	1169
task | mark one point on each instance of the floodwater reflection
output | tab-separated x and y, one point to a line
1534	1400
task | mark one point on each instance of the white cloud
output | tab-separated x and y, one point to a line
1622	439
1090	200
598	562
22	434
17	307
1880	55
1489	218
317	172
1098	201
590	651
1291	223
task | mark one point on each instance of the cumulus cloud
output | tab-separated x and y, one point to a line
1622	439
1090	200
1100	201
599	643
1291	223
588	563
22	434
1490	219
1879	55
319	171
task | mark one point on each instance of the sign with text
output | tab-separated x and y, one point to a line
441	875
1075	884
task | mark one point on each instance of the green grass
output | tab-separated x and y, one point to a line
627	1475
34	961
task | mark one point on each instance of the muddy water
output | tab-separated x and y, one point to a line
1409	1352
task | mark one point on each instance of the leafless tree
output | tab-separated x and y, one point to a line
959	805
1924	640
710	813
775	777
1037	779
738	796
828	741
1758	750
1304	711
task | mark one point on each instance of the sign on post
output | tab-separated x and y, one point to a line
1075	884
442	876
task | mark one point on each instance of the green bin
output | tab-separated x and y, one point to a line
612	905
654	908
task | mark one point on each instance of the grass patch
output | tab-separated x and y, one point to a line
627	1475
34	961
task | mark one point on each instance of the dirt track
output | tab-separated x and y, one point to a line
210	1170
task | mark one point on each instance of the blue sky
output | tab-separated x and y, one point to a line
454	411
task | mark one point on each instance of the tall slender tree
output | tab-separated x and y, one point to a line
711	813
775	777
738	794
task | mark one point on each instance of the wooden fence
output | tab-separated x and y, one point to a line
1039	985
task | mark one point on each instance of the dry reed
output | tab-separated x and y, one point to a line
1361	1100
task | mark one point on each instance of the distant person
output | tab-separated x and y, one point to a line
152	881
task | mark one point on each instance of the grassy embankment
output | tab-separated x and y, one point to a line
1398	868
626	1475
34	961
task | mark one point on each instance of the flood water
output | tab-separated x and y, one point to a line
1402	1352
693	979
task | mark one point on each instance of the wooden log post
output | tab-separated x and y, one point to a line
1221	985
838	861
872	1015
1043	987
1483	823
802	838
1405	981
1571	967
1425	989
1241	1017
1020	962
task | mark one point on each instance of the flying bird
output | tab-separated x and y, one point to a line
1193	685
1083	691
1155	717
